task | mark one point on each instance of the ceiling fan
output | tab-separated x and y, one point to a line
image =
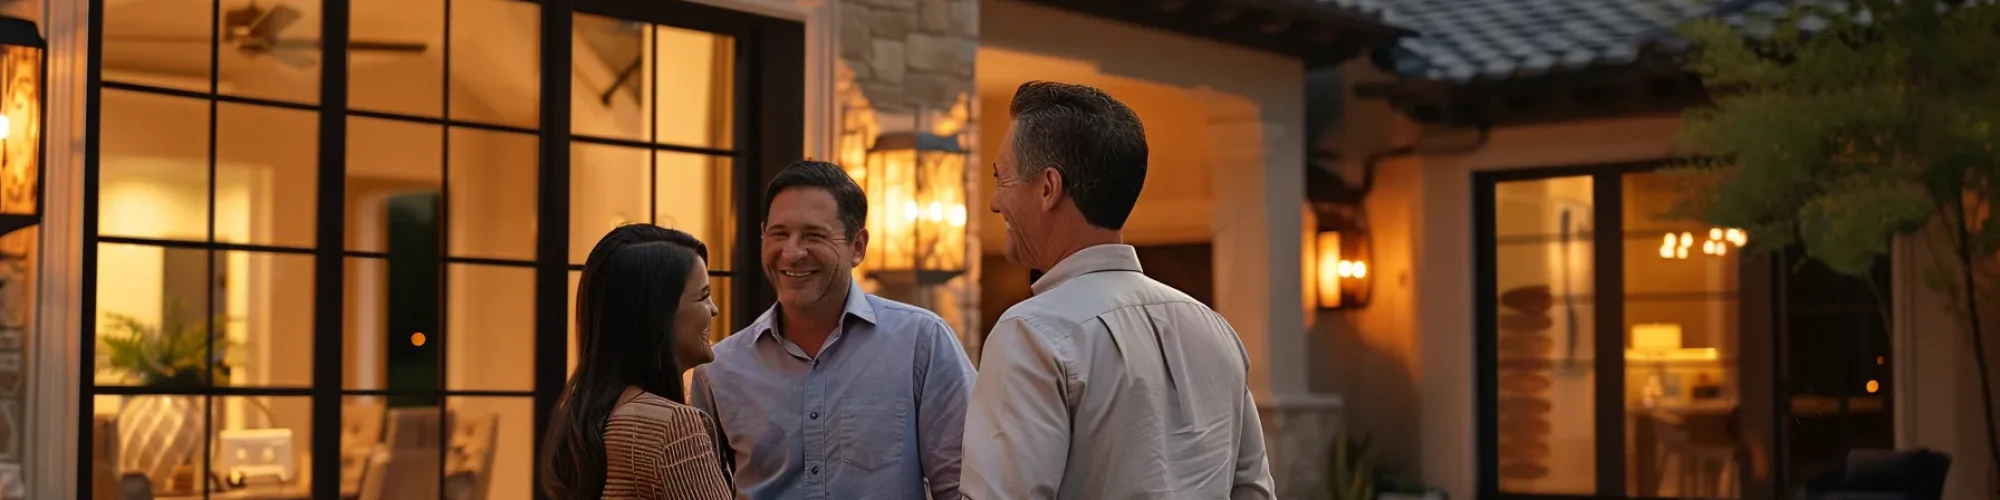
256	32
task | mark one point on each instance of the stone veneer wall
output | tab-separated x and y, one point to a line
908	64
1298	437
910	55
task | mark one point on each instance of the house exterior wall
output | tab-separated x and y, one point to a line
1409	353
1937	403
1408	356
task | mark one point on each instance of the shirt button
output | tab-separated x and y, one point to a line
813	415
815	469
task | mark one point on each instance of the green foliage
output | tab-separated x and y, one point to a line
1843	137
1351	473
174	356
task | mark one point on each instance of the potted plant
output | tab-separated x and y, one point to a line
1353	475
1350	471
160	434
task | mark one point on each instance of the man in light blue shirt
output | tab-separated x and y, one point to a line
834	393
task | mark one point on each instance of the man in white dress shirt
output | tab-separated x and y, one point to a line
1106	384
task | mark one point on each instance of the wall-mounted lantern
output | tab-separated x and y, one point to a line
1341	268
21	90
916	216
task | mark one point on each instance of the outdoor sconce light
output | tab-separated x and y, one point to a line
21	70
1341	267
916	188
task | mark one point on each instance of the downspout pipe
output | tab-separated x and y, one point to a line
1340	191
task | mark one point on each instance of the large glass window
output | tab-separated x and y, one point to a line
1621	355
1545	374
228	237
1680	339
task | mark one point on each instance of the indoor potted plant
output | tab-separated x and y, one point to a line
160	434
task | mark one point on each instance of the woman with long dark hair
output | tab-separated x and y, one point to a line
622	429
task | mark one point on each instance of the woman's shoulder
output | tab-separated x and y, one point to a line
649	410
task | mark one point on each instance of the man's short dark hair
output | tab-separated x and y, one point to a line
1096	142
847	195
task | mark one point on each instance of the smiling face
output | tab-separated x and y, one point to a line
694	318
807	255
1022	203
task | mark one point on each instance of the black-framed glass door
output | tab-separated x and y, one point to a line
330	244
1611	338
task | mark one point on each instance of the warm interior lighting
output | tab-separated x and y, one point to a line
1653	337
21	51
417	339
1339	270
1874	386
1879	361
1720	240
1662	342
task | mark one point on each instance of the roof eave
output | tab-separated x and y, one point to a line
1318	35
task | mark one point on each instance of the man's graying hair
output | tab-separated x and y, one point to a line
1096	142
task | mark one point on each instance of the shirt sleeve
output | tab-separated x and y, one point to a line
671	459
1252	480
946	385
701	396
1017	426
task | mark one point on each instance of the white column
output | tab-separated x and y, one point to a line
1257	163
1258	169
54	379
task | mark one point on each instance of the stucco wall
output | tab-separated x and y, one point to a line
1408	356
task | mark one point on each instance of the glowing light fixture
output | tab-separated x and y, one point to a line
1341	269
916	216
21	88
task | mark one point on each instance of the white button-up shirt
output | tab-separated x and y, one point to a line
1110	385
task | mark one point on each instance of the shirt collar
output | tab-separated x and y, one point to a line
1106	257
858	306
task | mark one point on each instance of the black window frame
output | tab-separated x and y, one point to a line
1608	239
768	133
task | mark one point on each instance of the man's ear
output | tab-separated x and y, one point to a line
1049	187
860	243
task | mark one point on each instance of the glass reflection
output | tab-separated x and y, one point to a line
1545	380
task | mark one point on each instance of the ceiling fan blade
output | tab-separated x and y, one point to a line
275	22
238	22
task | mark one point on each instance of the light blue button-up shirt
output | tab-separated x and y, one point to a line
879	415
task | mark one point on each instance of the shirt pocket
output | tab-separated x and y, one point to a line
871	433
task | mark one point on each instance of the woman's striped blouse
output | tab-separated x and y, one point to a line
657	449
